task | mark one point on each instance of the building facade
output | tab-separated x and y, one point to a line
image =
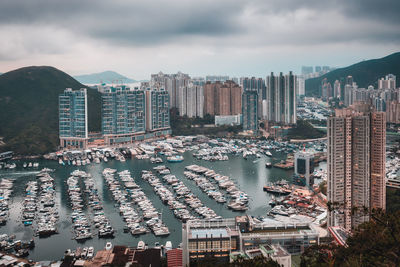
73	119
157	110
389	82
220	238
170	83
304	167
257	84
281	98
222	98
249	110
356	164
191	102
123	115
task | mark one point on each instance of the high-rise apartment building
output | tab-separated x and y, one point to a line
257	84
349	80
222	98
123	115
389	82
281	98
326	89
304	167
73	118
216	78
337	89
393	112
157	110
171	83
348	94
305	70
301	85
356	164
250	107
192	100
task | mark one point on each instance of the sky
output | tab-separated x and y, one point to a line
236	38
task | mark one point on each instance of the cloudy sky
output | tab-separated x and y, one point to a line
200	37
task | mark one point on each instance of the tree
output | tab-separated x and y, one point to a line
374	243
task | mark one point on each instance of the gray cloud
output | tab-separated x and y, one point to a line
149	22
161	21
204	29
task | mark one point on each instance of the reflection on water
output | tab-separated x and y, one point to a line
250	175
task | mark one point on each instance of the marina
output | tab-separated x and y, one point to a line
136	198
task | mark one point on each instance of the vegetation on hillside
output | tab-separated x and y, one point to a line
304	130
375	243
364	73
29	108
182	125
392	199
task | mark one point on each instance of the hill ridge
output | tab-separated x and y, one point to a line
365	73
29	108
107	76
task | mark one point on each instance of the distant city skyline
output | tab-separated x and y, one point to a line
236	38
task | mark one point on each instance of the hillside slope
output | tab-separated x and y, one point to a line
364	73
108	77
29	108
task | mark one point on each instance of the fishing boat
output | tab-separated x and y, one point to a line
141	245
175	159
108	246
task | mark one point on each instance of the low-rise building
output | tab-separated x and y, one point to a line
219	238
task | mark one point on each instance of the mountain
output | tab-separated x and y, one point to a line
29	108
103	77
364	73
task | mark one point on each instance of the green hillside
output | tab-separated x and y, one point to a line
364	73
29	108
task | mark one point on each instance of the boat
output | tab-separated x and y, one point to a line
25	165
268	165
141	245
276	190
168	245
175	159
269	154
108	246
90	253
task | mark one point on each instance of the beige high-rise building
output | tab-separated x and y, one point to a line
222	98
356	164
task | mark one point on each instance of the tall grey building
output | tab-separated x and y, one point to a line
249	109
257	84
281	98
171	83
191	101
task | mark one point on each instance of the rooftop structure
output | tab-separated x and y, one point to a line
219	238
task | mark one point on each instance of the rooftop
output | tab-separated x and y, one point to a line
203	233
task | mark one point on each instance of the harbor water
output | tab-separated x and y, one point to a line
250	175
